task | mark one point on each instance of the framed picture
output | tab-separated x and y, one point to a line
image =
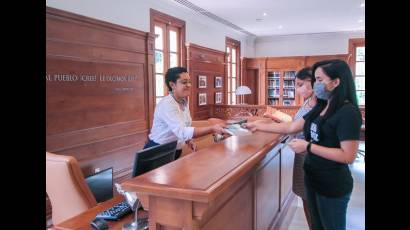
218	97
201	81
218	82
202	99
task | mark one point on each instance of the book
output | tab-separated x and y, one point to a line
277	115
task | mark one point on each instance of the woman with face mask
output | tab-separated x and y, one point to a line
332	131
172	118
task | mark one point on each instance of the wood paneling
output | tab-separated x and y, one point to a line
228	111
256	66
286	173
310	60
98	106
250	79
284	62
267	187
208	62
255	63
239	207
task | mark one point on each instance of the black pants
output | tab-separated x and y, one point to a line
151	143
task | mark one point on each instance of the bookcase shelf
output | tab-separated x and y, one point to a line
282	84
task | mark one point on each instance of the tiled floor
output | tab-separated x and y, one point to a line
355	211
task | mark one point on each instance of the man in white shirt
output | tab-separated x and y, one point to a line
172	119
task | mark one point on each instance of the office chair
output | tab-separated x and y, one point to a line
66	187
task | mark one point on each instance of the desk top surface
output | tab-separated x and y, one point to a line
83	220
199	175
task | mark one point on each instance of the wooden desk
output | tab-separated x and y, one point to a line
83	220
234	184
240	183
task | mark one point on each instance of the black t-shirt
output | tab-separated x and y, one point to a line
327	177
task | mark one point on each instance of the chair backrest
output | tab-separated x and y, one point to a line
153	157
66	187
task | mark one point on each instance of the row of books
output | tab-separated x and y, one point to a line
273	101
289	93
290	75
273	75
288	102
289	83
273	92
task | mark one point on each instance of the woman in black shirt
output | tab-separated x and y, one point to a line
331	130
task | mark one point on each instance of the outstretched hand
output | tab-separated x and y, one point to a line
219	129
252	126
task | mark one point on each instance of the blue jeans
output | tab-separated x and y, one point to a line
151	143
327	213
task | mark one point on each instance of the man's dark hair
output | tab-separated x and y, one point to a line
173	74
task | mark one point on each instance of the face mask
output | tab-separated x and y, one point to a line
320	91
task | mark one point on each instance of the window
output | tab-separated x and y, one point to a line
360	75
232	68
357	50
169	40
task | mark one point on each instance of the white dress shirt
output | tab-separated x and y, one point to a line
171	123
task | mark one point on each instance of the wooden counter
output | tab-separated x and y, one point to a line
235	184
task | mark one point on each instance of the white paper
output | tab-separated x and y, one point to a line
237	130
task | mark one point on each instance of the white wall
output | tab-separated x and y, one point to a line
200	29
305	44
206	32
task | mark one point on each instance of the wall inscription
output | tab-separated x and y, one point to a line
94	78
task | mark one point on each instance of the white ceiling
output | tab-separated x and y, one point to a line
294	16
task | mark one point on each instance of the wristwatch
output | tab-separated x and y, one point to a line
308	147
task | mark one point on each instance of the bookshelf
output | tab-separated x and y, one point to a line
281	88
274	87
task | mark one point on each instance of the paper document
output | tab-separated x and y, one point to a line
237	130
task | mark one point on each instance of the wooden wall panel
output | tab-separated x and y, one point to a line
98	102
286	173
310	60
80	104
254	63
267	187
284	62
208	62
96	78
239	207
250	78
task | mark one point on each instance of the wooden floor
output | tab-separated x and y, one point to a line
356	210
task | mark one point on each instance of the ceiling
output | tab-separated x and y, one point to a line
283	17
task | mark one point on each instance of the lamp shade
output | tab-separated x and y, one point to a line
243	90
